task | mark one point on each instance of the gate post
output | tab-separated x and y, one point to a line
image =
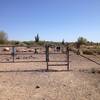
13	53
47	56
67	53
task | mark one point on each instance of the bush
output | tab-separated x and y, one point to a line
98	52
3	37
81	41
88	52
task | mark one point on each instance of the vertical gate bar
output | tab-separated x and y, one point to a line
47	56
13	53
67	50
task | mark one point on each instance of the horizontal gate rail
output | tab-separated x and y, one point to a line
58	65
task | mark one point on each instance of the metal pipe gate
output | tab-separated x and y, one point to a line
14	54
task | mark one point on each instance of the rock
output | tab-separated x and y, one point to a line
6	49
37	87
64	85
7	59
17	57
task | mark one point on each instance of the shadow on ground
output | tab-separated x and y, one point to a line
38	70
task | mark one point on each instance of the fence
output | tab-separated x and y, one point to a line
48	58
14	54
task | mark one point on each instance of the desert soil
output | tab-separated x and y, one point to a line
29	81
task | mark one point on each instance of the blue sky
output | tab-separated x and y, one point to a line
52	19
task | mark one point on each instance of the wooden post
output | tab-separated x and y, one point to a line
67	53
47	56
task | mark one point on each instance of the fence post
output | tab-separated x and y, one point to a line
47	56
13	53
67	53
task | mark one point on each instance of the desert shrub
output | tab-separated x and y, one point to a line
81	41
93	71
3	37
88	52
14	42
98	52
22	44
28	43
41	43
98	71
79	52
73	49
